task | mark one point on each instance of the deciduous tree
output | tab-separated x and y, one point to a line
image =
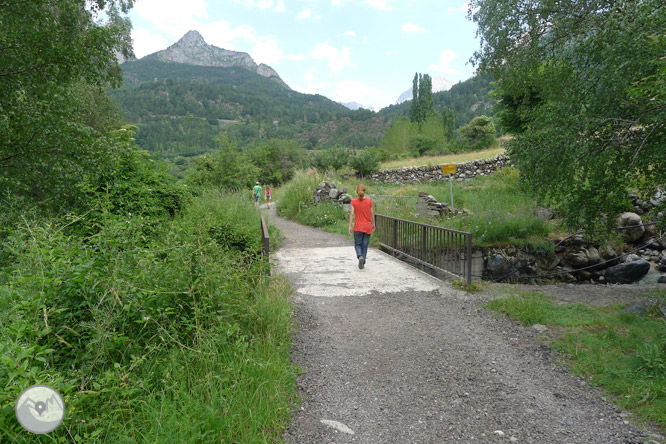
55	58
581	84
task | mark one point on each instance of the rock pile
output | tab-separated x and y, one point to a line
464	171
642	207
326	191
578	260
428	205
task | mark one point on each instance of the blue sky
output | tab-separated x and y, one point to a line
348	50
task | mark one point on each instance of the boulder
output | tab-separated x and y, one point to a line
582	257
662	279
498	265
627	272
639	308
344	198
632	226
333	193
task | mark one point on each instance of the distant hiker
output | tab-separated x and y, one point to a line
268	195
256	191
361	223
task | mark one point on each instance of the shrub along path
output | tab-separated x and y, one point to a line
392	355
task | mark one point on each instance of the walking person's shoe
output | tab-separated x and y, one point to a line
361	262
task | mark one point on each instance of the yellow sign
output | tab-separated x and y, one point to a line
449	169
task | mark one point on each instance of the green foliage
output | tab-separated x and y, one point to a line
322	215
433	135
419	145
622	353
396	139
226	168
331	159
52	115
422	103
581	85
124	324
479	133
297	195
276	160
364	162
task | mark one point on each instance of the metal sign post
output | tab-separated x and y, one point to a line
450	170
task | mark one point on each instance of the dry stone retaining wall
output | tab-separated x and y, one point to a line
464	171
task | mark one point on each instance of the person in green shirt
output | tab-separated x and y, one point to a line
257	194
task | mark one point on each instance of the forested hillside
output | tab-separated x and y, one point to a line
180	108
468	99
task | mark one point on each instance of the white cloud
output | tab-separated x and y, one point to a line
462	8
267	50
412	28
305	14
350	34
312	86
146	43
263	49
445	59
170	16
277	6
392	52
221	34
337	59
379	4
355	91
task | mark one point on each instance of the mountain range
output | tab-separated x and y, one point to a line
183	97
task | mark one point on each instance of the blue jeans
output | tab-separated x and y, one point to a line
361	241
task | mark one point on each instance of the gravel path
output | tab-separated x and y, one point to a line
391	355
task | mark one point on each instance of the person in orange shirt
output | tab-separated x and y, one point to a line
361	224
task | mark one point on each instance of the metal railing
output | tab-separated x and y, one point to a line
441	249
265	241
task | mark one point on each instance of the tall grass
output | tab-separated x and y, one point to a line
153	330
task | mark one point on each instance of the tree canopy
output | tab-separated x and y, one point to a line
57	57
581	87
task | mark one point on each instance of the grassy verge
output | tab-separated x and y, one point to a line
154	330
437	160
622	353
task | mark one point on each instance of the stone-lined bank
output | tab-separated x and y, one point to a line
464	171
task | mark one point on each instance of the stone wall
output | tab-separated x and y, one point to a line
464	170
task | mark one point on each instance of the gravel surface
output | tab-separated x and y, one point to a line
404	365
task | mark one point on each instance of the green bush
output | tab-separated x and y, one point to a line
364	162
480	133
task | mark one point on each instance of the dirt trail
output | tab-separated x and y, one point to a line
391	355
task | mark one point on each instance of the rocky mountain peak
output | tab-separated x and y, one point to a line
193	50
192	38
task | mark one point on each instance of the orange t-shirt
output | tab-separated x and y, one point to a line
363	215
